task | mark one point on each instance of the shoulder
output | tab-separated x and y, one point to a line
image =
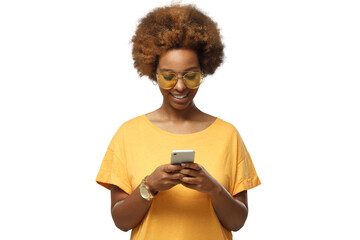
133	121
226	127
130	125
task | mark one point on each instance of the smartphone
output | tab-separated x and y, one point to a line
182	156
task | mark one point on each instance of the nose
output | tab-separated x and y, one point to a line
180	85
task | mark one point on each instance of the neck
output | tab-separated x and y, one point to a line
170	113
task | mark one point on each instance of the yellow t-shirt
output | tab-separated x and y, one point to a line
139	147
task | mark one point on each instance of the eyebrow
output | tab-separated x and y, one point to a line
186	70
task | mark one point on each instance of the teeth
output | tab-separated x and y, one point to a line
179	97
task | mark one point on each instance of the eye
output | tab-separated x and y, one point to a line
191	76
168	75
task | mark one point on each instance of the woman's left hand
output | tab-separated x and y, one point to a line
231	211
197	178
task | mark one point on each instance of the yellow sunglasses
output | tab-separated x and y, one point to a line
168	80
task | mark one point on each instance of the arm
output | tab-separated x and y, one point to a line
231	211
128	210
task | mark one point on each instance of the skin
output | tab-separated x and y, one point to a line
181	117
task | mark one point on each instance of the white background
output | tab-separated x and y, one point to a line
289	84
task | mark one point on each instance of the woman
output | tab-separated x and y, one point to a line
177	46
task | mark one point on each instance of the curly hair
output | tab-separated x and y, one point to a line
174	27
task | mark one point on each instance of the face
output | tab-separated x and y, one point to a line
180	61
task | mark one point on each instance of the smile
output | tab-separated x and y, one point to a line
179	96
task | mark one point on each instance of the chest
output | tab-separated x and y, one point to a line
183	127
143	157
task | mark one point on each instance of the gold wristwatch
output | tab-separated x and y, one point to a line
145	191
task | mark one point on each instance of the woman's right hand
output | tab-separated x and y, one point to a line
164	177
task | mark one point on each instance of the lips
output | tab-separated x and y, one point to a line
180	97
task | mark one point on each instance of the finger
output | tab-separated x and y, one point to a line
172	168
194	166
190	180
173	181
175	176
189	172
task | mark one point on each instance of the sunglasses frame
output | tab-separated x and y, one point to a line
177	75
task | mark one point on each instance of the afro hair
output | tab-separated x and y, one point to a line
176	27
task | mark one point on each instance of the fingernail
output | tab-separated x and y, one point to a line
183	164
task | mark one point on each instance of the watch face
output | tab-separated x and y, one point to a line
144	192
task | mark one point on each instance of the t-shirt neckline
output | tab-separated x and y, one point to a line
157	129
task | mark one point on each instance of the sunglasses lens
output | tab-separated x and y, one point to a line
166	80
193	79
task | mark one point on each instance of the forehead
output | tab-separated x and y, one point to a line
178	60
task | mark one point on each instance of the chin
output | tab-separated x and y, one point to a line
182	107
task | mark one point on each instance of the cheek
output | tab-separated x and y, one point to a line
193	92
163	92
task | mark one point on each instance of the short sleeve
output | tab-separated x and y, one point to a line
113	169
245	174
